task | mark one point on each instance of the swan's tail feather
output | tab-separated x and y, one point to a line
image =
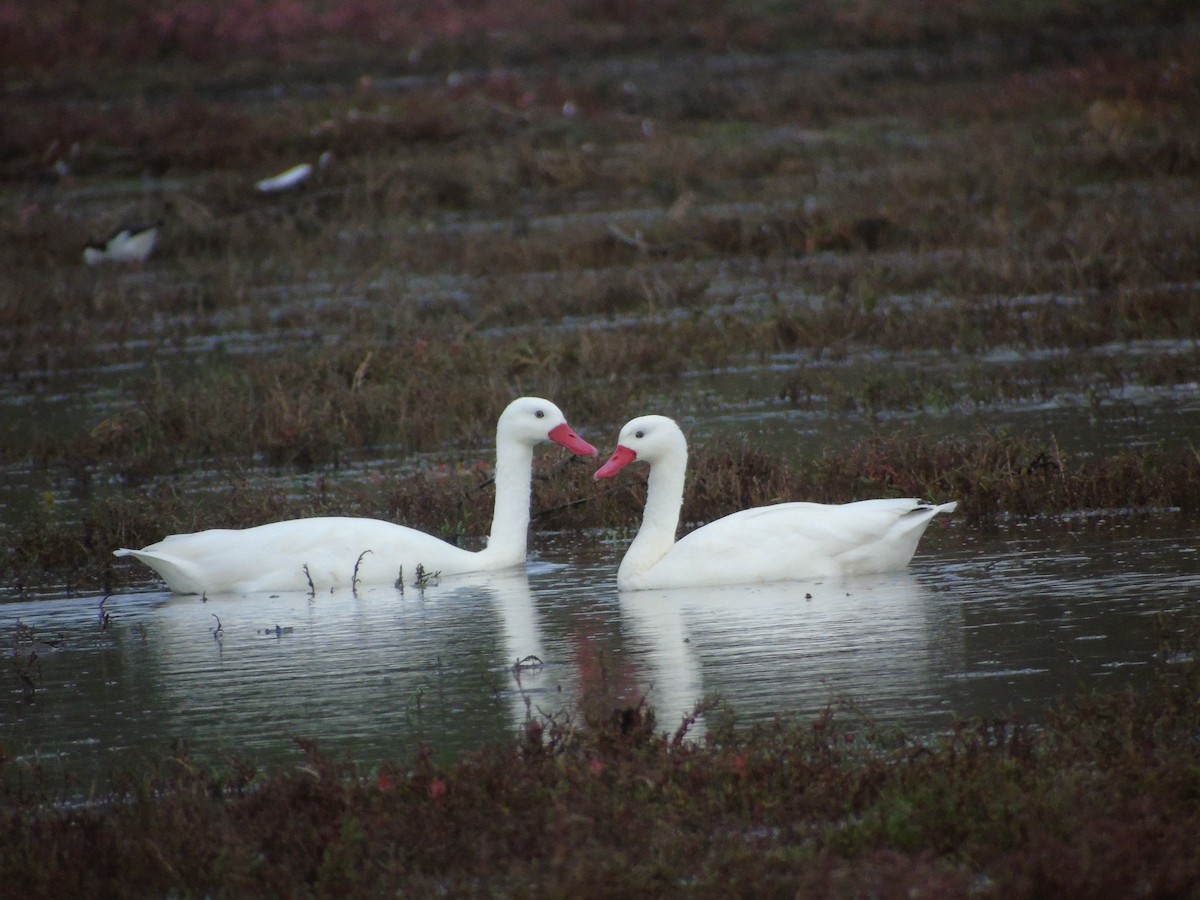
180	575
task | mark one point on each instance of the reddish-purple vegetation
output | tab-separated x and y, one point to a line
1100	801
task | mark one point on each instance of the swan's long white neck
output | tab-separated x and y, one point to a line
510	518
660	520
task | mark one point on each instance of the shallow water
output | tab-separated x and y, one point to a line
975	627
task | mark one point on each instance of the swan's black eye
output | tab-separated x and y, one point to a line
540	414
640	434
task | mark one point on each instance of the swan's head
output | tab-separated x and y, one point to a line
531	420
651	439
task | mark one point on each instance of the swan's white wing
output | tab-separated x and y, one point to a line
287	555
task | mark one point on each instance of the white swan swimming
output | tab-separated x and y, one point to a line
783	542
332	551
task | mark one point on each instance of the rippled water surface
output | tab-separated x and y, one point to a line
975	628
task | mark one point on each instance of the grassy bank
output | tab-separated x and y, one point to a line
1099	801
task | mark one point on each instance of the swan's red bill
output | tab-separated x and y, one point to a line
621	457
562	434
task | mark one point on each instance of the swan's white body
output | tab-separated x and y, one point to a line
784	542
325	553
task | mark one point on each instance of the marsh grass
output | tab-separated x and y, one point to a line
608	801
598	204
993	475
997	477
321	400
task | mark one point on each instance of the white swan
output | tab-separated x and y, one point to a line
768	543
328	552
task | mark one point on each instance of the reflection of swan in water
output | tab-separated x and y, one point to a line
789	647
530	671
372	670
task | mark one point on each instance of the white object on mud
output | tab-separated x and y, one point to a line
128	245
